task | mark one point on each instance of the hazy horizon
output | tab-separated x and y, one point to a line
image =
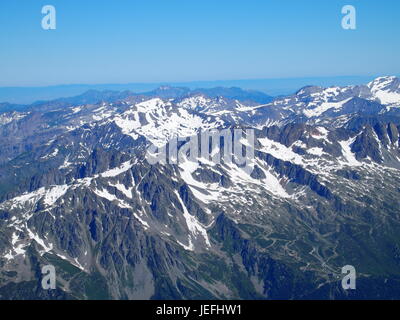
271	86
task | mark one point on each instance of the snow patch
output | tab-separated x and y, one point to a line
349	156
193	225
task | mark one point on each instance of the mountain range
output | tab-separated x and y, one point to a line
274	87
77	192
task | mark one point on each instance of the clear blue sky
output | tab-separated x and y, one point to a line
120	41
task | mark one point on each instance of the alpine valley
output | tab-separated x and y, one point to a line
77	192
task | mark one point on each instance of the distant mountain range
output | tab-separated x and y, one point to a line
274	87
165	92
77	192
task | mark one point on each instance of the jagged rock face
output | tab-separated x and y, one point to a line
77	192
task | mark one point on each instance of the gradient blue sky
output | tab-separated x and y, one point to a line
120	41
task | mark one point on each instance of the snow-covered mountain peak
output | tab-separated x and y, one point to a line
158	121
382	83
195	102
386	90
308	90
